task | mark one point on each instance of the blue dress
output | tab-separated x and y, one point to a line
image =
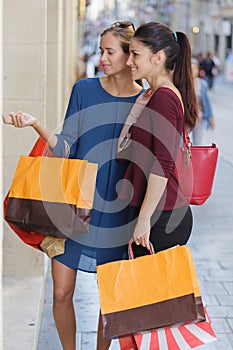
92	125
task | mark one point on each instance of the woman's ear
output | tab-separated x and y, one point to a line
159	57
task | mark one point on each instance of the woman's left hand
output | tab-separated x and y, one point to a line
141	102
144	97
142	232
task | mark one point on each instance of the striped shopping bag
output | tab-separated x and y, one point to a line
186	336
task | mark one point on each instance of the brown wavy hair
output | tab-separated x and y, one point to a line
124	31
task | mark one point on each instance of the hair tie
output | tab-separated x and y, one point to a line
175	36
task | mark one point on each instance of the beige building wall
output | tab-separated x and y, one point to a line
24	88
39	62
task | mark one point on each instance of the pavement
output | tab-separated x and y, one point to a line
211	244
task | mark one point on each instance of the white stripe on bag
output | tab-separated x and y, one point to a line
145	344
180	339
162	340
200	333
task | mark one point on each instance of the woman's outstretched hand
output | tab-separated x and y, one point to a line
19	119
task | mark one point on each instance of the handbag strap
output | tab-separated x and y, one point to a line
186	138
130	249
187	143
126	138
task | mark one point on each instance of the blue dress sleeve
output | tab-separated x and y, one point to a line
67	140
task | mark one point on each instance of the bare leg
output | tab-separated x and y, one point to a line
64	279
102	343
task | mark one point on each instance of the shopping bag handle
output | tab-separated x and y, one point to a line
130	249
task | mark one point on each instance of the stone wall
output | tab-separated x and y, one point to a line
39	67
38	70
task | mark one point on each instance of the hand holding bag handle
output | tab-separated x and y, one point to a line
130	249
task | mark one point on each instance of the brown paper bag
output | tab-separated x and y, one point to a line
53	246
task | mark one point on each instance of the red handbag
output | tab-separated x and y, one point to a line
195	170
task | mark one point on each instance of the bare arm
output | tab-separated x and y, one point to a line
155	189
21	120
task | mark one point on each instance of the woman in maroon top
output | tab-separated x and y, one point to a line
163	58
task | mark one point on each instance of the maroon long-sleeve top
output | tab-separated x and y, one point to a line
156	138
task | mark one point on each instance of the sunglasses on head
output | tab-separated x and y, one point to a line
124	24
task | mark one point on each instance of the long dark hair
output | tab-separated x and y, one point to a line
158	36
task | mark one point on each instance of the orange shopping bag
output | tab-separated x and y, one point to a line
152	291
52	196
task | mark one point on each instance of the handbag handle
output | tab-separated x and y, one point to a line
126	139
187	143
130	249
186	138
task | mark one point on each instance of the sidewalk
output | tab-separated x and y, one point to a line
211	244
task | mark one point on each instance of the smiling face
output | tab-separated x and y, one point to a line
113	58
140	60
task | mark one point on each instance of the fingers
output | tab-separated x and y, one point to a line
16	119
144	241
148	246
148	92
5	121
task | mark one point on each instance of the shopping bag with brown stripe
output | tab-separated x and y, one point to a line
149	292
53	196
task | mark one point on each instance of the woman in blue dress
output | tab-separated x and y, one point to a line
96	112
